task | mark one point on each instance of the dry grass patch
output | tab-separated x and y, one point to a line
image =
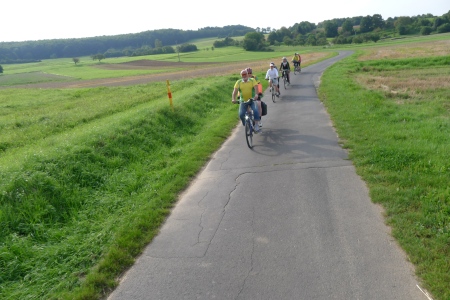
423	49
407	82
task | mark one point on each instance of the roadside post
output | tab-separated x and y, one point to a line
169	93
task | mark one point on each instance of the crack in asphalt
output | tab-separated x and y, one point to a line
251	257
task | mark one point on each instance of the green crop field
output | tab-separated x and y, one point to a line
87	175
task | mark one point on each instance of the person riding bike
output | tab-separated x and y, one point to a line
248	89
272	75
297	60
285	67
258	95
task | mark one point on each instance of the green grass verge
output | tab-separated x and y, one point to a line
400	147
78	204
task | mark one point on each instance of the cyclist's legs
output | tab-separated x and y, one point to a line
242	110
258	104
256	114
275	82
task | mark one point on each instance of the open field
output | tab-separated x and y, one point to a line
156	70
92	157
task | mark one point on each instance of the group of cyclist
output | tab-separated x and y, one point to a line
247	88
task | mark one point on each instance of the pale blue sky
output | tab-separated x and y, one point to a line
51	19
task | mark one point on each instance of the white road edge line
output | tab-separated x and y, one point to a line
425	293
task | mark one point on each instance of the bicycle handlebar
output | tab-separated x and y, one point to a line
247	101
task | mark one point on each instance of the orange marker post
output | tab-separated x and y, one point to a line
169	93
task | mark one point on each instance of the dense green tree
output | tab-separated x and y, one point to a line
421	22
98	57
311	40
377	21
253	41
300	39
356	20
426	30
288	41
389	23
1	69
158	43
273	37
366	24
357	39
331	28
405	21
444	28
401	29
347	26
168	49
438	22
188	48
304	27
283	32
76	60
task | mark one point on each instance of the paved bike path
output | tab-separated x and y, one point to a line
289	219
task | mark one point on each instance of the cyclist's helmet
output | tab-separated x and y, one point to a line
272	64
284	59
249	71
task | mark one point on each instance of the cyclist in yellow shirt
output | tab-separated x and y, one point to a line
258	96
297	60
248	89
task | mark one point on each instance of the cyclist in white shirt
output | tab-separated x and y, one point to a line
272	75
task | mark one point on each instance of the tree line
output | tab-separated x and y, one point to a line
341	30
374	28
354	30
147	42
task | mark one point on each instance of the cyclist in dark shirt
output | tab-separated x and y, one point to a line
285	67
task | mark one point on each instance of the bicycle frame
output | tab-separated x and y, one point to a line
285	78
273	90
249	124
297	68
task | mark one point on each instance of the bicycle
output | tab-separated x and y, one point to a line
285	78
249	123
297	68
274	91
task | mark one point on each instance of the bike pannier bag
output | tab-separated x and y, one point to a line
264	108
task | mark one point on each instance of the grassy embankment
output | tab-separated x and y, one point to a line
393	114
87	176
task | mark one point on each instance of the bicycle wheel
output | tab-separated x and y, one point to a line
273	95
248	134
284	81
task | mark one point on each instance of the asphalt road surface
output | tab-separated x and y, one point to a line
289	219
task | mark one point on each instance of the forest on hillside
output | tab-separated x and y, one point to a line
337	31
133	44
354	30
